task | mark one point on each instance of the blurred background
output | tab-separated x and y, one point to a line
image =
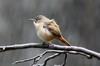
79	21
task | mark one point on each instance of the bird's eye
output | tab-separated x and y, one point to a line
36	19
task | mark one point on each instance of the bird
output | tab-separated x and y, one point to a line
47	29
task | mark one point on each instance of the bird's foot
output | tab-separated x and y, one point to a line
45	44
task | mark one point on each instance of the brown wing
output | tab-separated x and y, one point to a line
53	28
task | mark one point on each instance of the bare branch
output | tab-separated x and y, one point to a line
80	50
38	57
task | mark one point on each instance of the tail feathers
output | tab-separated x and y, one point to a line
63	40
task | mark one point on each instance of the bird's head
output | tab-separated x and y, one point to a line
38	19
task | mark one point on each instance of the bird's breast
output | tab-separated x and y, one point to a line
44	34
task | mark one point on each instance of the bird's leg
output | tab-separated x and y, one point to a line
46	44
43	43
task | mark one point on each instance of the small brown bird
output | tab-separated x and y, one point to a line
47	29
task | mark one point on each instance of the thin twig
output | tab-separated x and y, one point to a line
50	57
25	60
38	57
65	59
80	53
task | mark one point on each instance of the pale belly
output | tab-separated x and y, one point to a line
45	35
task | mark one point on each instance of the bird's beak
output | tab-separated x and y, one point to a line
32	19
